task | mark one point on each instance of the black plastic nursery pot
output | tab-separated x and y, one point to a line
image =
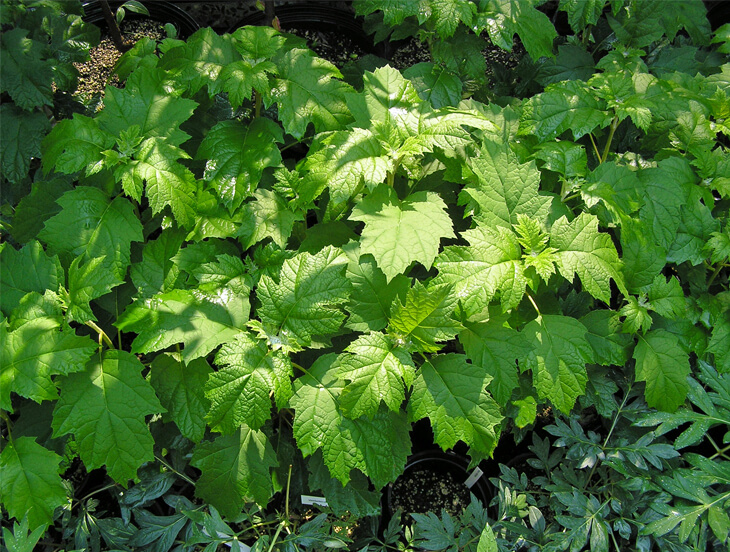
160	11
432	480
316	16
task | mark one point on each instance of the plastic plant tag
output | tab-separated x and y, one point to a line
473	477
308	500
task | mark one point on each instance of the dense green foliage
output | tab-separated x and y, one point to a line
247	277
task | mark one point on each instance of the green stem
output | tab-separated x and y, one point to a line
102	334
288	485
610	432
595	147
715	273
97	491
533	304
257	106
720	453
276	536
607	149
4	416
173	470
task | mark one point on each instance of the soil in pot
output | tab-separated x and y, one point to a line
96	73
434	481
427	490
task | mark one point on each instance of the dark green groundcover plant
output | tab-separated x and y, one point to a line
247	277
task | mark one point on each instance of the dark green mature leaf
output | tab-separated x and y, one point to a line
394	11
104	407
74	145
582	13
20	140
25	270
156	272
24	73
664	366
558	359
30	485
505	18
372	295
435	84
201	321
490	266
180	388
32	353
376	370
504	189
87	281
398	233
610	345
591	255
306	301
236	156
91	225
496	348
235	470
425	319
240	392
451	392
355	498
306	92
38	206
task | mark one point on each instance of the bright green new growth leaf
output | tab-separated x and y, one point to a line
583	250
104	407
236	156
306	92
666	298
240	392
146	103
31	354
489	266
425	318
201	321
664	366
235	470
497	349
568	105
91	226
167	182
451	392
180	388
24	74
504	189
20	140
720	345
30	485
201	60
558	359
24	270
378	447
372	295
268	215
306	301
377	371
398	233
348	160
